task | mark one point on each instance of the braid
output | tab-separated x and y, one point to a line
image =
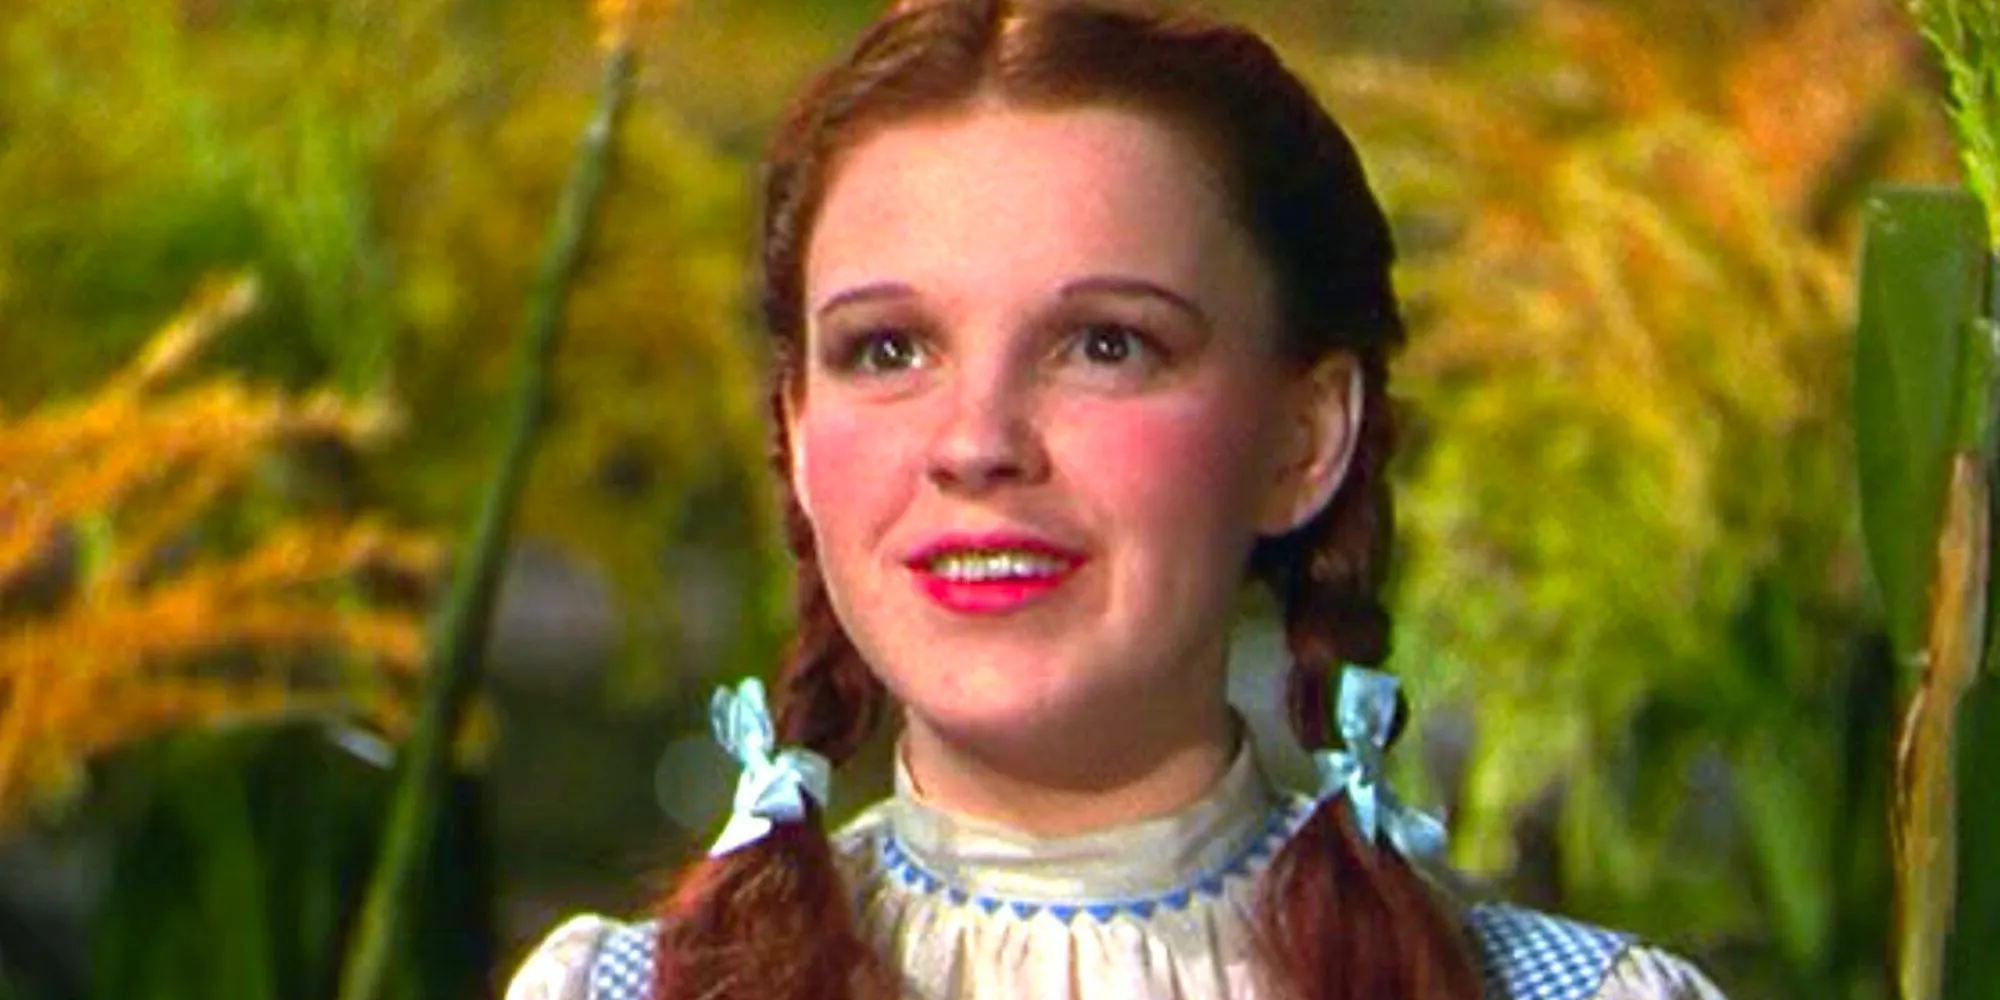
827	698
773	920
1342	919
1327	575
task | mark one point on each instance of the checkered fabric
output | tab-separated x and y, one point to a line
1525	955
623	967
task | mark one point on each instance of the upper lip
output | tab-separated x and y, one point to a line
991	541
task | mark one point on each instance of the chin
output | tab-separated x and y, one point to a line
983	708
1010	709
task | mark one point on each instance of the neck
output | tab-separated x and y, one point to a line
1081	777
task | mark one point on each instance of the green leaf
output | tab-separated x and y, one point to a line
1923	274
1786	819
1970	971
260	839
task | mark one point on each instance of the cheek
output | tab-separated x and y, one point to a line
1197	464
848	470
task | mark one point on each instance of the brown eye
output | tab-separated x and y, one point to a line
1108	345
881	352
1111	356
1113	345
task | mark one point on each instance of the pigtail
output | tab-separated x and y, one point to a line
1340	918
774	920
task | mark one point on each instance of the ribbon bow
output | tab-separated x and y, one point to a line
773	787
1365	710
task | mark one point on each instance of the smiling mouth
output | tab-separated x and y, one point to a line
992	580
996	565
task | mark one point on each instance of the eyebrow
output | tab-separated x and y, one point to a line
1104	284
1134	288
875	292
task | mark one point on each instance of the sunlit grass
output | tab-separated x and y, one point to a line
1627	493
1966	37
141	591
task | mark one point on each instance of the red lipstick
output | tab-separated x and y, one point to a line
991	573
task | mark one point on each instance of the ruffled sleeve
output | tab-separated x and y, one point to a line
1644	973
559	967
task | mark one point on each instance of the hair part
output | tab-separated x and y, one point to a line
1339	919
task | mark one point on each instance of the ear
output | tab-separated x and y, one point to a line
789	403
1323	432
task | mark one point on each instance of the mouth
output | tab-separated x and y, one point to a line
992	573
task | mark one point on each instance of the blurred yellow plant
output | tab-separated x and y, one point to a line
121	612
622	22
395	226
1628	280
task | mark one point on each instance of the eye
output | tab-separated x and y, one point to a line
879	352
1115	345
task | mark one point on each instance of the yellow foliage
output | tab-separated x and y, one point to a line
1796	118
621	21
118	625
1632	295
392	172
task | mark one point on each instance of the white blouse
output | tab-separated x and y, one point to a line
1163	908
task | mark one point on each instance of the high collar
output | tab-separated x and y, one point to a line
1152	857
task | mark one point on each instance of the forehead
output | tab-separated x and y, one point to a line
996	197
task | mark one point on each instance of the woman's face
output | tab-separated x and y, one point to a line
1042	419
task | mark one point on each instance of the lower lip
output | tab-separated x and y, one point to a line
988	596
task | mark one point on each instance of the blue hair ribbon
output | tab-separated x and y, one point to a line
1365	711
775	782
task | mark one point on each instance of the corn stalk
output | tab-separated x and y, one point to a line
457	646
1925	409
1924	416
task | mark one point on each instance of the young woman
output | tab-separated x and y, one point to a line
1082	318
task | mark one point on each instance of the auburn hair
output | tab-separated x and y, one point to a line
1338	918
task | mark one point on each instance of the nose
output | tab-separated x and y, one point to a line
988	437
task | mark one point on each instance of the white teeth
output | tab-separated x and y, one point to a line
978	567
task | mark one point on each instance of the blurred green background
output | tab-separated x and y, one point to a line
261	267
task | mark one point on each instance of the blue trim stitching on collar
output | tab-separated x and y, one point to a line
1284	820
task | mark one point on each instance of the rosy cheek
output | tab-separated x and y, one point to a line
1175	460
850	466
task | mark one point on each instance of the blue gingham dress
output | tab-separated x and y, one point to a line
1160	909
1523	955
